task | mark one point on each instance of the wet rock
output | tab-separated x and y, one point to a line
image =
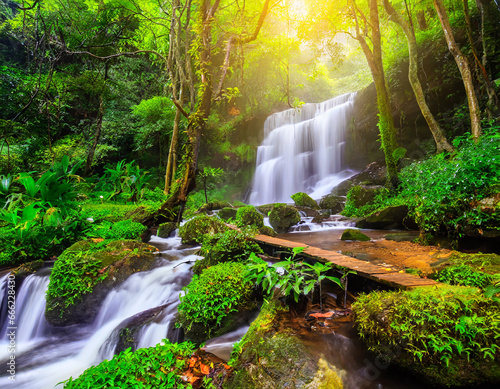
118	260
334	203
308	212
227	213
27	269
266	230
282	217
302	199
351	234
272	358
207	207
165	229
402	236
193	230
387	219
360	195
374	174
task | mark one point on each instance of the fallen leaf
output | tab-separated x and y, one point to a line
204	369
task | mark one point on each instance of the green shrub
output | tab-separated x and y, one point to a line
463	275
106	212
194	229
232	245
154	367
448	333
213	295
248	216
125	229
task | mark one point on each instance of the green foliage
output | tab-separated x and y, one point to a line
463	275
292	278
153	367
110	212
213	295
74	274
231	245
194	229
125	229
248	216
449	333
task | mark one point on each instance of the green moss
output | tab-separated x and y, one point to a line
351	234
231	245
448	334
212	296
266	230
155	367
248	216
194	230
107	212
165	229
125	229
27	268
282	217
227	213
302	199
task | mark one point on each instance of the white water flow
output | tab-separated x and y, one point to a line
47	355
302	151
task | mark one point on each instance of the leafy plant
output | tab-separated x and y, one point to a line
463	275
290	277
125	229
153	367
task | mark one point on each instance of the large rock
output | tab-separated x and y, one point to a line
75	293
374	174
360	195
227	213
351	234
165	229
302	199
248	216
194	229
282	217
334	203
273	358
389	218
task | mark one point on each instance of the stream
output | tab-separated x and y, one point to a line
46	355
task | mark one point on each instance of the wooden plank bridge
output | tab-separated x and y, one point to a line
378	273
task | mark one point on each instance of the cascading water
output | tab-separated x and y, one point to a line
302	151
46	355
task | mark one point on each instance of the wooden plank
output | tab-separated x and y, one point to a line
378	273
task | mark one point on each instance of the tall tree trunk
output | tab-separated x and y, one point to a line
463	66
172	153
374	59
442	143
97	135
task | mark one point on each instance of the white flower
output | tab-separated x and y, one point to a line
101	197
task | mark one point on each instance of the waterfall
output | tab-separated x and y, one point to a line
302	151
47	355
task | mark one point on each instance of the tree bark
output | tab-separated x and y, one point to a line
442	143
463	66
374	59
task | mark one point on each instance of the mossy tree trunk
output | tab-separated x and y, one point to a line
365	27
442	143
463	66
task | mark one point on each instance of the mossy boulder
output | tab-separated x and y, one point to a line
302	199
272	358
266	230
207	207
333	203
360	195
165	229
445	334
374	174
282	217
194	229
27	269
352	234
84	274
389	218
249	216
227	213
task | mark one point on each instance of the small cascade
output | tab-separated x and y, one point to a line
46	355
334	222
302	151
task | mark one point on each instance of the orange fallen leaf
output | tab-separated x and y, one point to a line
192	361
318	315
204	369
